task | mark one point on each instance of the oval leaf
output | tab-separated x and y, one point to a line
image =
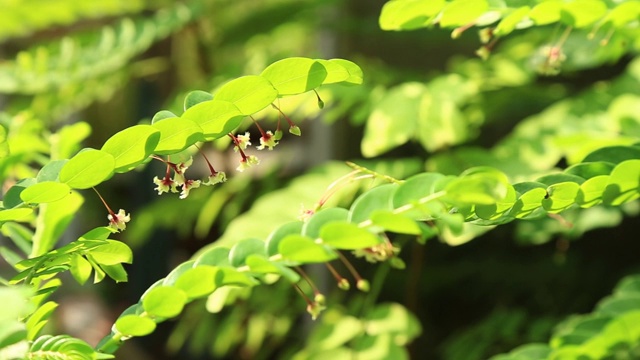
249	94
134	325
216	118
164	301
132	146
344	235
176	134
295	75
88	168
303	249
45	192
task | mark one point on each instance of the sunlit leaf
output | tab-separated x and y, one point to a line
348	236
303	249
408	14
379	198
313	225
239	252
113	252
295	75
176	134
134	325
198	281
45	192
249	94
132	146
88	168
164	301
216	118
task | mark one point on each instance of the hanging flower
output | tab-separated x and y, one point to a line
118	222
242	141
165	184
187	186
380	252
246	162
267	140
217	178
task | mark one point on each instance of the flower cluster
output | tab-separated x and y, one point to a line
380	252
170	184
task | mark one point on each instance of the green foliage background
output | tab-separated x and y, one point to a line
557	286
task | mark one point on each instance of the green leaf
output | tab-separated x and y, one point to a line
295	75
216	118
4	145
462	12
260	264
590	193
51	171
613	154
273	240
88	168
196	97
45	192
177	272
303	249
500	208
582	13
114	252
356	76
624	183
312	226
415	189
396	223
115	272
344	235
378	198
198	281
244	248
409	14
162	115
560	196
176	134
590	169
559	178
532	194
231	276
132	146
12	196
80	269
478	186
546	12
335	72
510	22
217	256
39	319
164	301
249	94
134	325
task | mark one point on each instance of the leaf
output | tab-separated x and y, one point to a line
12	196
87	169
217	256
413	191
582	13
532	194
335	72
196	97
177	272
356	76
303	249
590	193
244	248
590	169
378	198
546	12
115	272
80	269
51	171
134	325
344	235
260	264
164	301
216	118
478	186
198	281
176	134
500	208
561	196
409	14
462	12
273	240
613	154
313	225
45	192
249	94
624	183
162	115
396	223
112	253
295	75
510	22
39	319
132	146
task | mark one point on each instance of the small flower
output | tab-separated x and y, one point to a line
165	184
247	162
242	141
118	222
268	140
183	166
187	186
295	130
314	309
217	178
